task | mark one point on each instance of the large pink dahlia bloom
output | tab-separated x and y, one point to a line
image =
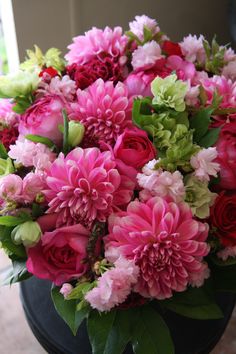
96	42
82	186
165	242
104	110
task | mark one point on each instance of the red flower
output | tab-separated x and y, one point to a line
223	218
50	71
84	75
8	136
171	48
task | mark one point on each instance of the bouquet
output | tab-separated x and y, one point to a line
118	180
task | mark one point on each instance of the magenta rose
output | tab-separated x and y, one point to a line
43	118
226	147
59	254
134	148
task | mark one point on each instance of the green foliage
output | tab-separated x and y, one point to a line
214	56
67	309
41	139
14	220
197	303
8	245
16	273
3	152
80	291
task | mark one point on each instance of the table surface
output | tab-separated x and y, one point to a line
199	337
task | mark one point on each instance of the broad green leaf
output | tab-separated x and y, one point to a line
210	138
200	122
8	245
16	273
197	303
150	334
40	139
121	332
13	220
99	326
3	152
67	310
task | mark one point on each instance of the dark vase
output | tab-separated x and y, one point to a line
189	336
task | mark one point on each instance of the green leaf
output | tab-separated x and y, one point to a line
79	291
16	273
65	132
197	303
3	152
40	139
133	37
210	138
99	326
67	310
151	335
200	122
147	34
8	245
13	220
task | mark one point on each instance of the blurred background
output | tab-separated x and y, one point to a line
48	23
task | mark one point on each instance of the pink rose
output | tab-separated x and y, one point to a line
226	147
43	118
59	254
134	148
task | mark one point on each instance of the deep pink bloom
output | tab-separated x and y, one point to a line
43	118
134	148
104	110
59	255
114	285
184	69
106	68
226	148
8	136
95	43
81	187
165	242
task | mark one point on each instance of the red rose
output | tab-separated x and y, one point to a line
171	48
59	254
226	147
134	148
223	218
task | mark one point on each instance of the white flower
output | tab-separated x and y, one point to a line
203	164
146	55
192	48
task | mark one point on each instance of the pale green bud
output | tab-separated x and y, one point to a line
19	84
28	233
76	133
169	92
198	196
6	167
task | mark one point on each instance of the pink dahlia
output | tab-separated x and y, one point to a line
104	110
95	43
164	241
81	187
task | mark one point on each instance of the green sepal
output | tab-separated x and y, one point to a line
41	139
3	152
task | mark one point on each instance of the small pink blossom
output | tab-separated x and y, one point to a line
11	187
161	183
229	70
66	289
33	184
192	95
227	252
64	87
192	48
204	165
165	242
146	55
29	154
95	43
184	69
137	26
229	54
114	285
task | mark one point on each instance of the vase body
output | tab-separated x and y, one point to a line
189	336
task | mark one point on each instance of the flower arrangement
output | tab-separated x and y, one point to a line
118	180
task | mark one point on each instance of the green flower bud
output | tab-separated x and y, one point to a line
6	167
19	84
28	233
198	196
76	133
169	92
